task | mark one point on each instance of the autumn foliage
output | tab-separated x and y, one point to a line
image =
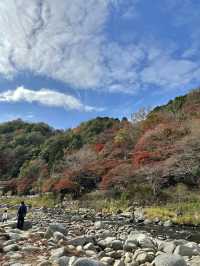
160	147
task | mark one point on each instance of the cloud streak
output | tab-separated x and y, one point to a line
45	97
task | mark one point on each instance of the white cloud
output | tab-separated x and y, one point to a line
66	40
45	97
62	40
167	72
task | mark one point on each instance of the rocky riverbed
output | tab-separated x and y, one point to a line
58	238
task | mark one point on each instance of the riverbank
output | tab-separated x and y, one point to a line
180	213
57	237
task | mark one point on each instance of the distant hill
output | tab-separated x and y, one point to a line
157	152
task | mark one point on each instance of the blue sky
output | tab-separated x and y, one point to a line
63	62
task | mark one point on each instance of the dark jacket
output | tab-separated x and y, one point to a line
22	211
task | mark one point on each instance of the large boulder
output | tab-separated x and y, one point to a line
167	247
55	227
169	260
81	240
87	262
189	249
142	240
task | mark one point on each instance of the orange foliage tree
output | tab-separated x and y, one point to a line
117	177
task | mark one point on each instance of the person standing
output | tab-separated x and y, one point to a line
21	215
5	216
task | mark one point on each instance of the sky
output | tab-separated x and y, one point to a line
64	62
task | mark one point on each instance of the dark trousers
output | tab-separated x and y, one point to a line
20	222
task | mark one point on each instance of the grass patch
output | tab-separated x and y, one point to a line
47	200
100	201
182	213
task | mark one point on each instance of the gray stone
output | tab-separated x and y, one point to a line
30	248
15	237
87	262
142	240
142	256
167	247
168	223
147	221
56	227
80	241
57	253
169	260
195	261
12	247
45	263
89	246
99	225
119	263
62	261
27	225
116	244
190	249
107	260
58	236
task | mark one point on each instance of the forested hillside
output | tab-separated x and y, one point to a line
144	155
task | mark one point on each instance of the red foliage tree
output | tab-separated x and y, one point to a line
145	157
117	177
99	147
24	185
64	184
48	184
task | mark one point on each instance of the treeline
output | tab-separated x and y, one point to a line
155	150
